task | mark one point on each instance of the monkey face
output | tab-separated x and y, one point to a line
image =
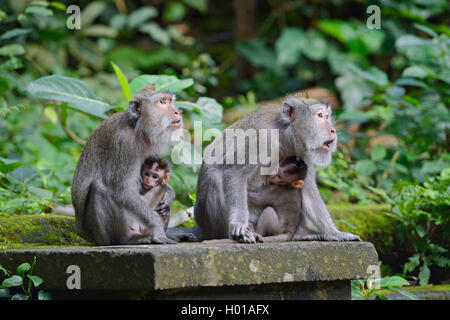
290	171
165	107
315	137
153	176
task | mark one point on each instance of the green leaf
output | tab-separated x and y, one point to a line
19	296
211	111
162	83
174	11
8	165
373	74
265	57
378	152
73	91
380	297
91	12
289	45
23	268
14	33
394	281
432	167
200	5
416	72
138	17
156	33
3	15
41	193
315	47
408	295
424	275
356	293
365	167
12	49
12	281
42	295
4	293
37	281
123	81
39	11
342	31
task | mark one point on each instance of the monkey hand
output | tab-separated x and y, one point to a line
241	233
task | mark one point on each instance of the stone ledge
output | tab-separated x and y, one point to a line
196	265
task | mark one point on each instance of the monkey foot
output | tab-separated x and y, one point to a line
242	234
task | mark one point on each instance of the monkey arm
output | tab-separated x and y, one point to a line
260	196
235	196
163	207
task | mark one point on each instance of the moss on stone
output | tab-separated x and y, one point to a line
44	229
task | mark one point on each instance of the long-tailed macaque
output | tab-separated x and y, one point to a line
305	130
104	190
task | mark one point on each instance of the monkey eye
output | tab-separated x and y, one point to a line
320	115
155	177
147	174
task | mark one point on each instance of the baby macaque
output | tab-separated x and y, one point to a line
281	201
155	190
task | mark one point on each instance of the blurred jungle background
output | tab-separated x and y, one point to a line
389	87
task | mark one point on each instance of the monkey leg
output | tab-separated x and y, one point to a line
287	236
268	223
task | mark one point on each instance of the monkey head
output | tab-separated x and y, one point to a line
311	129
157	119
291	171
154	172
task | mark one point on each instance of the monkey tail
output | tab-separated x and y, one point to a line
188	231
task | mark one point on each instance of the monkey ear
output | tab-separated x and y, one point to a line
289	112
168	174
135	106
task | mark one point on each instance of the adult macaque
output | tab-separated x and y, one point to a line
104	190
305	131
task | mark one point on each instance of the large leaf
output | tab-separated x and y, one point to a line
156	33
138	17
394	281
373	74
73	91
162	83
23	268
37	281
13	281
408	295
8	165
289	45
210	112
257	53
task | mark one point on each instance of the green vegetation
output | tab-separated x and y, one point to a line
57	85
15	283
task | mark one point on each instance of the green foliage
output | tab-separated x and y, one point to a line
422	213
366	289
16	287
